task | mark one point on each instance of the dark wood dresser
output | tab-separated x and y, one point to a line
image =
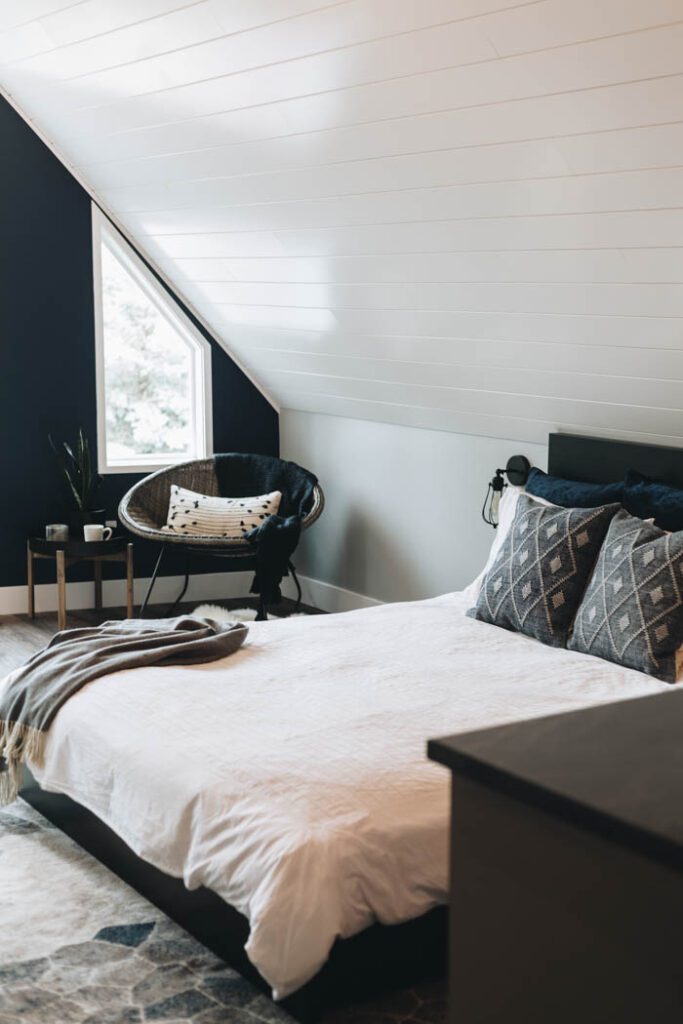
567	867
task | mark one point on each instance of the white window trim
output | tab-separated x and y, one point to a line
104	233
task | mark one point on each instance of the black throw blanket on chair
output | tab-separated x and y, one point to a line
241	476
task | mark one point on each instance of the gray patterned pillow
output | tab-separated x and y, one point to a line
632	611
539	577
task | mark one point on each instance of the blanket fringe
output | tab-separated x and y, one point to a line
18	743
10	777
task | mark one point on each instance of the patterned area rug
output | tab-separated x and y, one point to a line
78	946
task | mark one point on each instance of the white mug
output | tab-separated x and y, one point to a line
95	531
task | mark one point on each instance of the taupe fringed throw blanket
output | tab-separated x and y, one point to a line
74	657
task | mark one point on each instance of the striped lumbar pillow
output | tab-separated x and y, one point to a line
199	515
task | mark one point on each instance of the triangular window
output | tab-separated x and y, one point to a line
153	366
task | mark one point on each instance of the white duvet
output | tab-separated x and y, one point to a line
291	777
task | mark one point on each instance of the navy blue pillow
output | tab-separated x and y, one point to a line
647	499
573	493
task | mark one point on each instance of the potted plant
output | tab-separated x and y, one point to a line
82	480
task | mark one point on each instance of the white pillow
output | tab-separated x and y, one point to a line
199	515
506	513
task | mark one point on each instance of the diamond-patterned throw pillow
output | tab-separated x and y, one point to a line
632	611
539	577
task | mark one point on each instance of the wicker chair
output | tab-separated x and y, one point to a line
144	508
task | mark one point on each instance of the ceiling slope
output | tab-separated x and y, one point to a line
465	216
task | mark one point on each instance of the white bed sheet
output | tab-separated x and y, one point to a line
291	777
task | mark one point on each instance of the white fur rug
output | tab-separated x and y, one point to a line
219	614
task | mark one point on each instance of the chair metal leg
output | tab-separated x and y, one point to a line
294	576
180	596
261	610
153	580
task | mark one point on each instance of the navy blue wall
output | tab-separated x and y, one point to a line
47	353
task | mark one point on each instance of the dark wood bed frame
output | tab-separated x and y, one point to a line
381	957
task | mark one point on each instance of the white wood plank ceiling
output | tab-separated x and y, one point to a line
457	214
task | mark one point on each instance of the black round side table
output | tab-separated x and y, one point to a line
69	552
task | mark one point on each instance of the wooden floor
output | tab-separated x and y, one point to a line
21	636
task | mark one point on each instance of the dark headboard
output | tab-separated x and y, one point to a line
600	460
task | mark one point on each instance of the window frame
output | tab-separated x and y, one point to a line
104	233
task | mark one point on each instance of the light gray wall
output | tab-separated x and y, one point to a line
403	513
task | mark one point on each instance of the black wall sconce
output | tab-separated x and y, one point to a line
517	471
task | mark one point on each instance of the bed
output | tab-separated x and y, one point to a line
283	796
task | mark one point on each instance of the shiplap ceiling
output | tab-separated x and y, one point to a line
458	214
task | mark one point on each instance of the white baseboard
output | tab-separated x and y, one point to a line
204	587
326	596
213	586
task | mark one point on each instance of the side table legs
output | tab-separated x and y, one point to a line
61	590
30	583
74	553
